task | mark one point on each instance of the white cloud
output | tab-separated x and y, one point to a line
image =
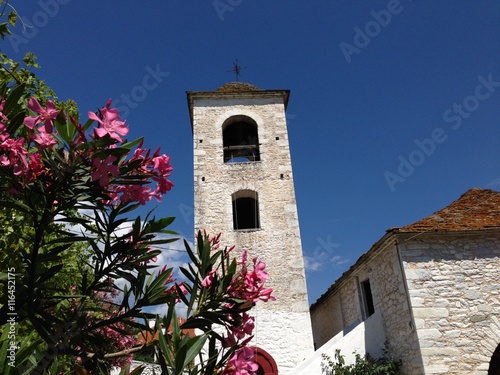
312	264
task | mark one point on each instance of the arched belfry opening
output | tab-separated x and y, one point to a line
240	140
246	210
494	368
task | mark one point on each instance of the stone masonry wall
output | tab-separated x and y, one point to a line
454	287
283	326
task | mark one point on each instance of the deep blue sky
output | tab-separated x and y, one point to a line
421	75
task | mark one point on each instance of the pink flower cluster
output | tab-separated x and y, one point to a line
22	155
242	363
109	123
240	331
14	153
116	341
249	285
43	137
246	285
156	166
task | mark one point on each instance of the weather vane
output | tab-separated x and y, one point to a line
236	69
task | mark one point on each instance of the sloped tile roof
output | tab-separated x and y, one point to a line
476	209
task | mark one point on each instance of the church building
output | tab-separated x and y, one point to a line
429	292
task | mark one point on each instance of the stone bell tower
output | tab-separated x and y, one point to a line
243	187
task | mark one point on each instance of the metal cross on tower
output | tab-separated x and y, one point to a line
237	69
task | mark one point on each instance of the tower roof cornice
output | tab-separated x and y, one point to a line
235	90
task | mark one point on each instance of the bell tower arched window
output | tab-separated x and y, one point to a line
246	210
240	140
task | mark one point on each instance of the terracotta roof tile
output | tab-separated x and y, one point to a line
146	336
476	209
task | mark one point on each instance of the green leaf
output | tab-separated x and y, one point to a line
15	122
4	30
195	346
180	358
12	18
200	323
188	275
27	349
12	100
16	206
129	145
181	295
49	273
165	350
191	255
64	127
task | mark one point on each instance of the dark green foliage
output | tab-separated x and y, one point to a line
362	365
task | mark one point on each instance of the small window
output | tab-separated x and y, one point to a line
246	210
366	290
240	140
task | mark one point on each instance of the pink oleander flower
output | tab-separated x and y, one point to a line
103	168
113	334
109	124
162	165
46	115
242	363
44	140
35	168
3	120
246	327
134	193
265	295
243	330
208	280
163	185
13	154
250	285
3	132
173	289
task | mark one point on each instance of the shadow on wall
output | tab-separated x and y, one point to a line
361	338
